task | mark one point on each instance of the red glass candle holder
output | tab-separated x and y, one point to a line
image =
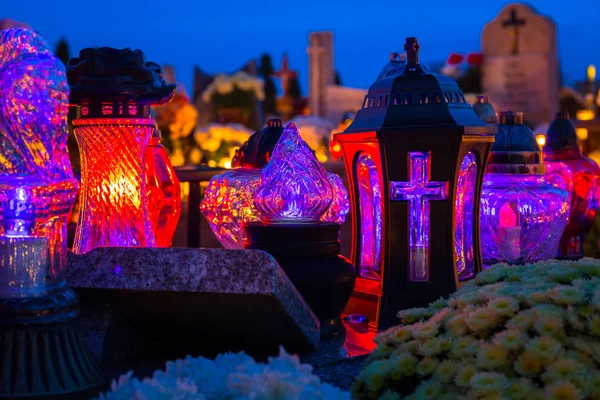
567	166
163	190
115	207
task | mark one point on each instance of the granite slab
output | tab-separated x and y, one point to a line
196	301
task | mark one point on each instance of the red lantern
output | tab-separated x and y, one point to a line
455	59
475	59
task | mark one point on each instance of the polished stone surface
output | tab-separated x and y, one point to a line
201	301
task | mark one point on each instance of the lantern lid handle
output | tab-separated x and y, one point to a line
412	50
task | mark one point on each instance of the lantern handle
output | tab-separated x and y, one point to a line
412	50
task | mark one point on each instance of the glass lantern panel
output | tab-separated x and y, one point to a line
369	197
464	207
522	219
418	191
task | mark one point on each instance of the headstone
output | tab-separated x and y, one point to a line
198	301
521	63
321	71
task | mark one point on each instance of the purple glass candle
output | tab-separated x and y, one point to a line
522	215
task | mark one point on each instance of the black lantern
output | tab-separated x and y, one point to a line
415	157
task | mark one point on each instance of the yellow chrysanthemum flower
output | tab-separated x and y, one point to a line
545	347
488	384
565	295
511	339
445	371
430	347
562	369
482	319
406	364
464	375
548	326
518	389
426	366
457	325
429	389
563	390
528	364
504	306
400	335
491	357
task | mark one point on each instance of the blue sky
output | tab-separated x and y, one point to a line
221	35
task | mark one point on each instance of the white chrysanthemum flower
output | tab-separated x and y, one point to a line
488	383
228	376
491	357
563	390
426	366
511	339
545	347
481	319
504	306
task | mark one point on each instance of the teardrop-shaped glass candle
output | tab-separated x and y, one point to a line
293	186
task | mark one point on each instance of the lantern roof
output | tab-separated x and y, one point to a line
408	96
561	134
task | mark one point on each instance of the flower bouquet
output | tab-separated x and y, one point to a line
526	332
233	97
217	143
229	376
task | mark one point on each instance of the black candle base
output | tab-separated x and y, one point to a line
310	256
45	360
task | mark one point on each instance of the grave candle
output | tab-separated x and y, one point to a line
293	194
42	352
114	90
581	175
415	157
522	215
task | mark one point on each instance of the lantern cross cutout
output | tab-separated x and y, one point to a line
514	22
418	191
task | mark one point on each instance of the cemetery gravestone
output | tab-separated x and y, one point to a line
521	63
202	301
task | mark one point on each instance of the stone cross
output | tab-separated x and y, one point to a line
285	74
418	191
514	22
